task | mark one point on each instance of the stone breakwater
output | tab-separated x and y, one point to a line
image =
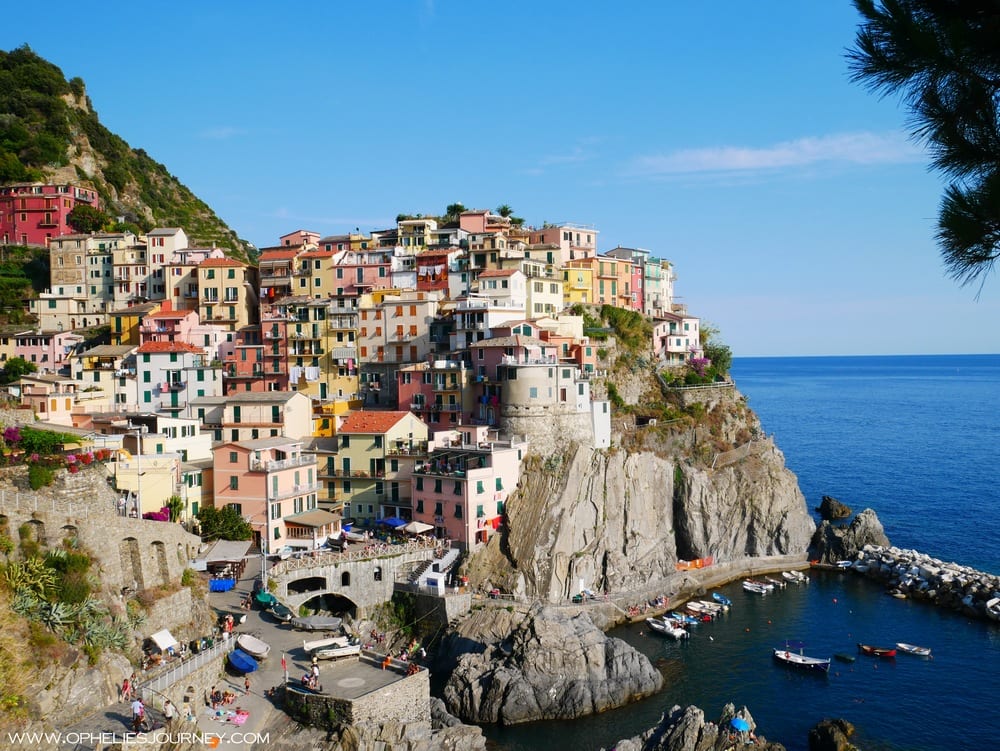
910	573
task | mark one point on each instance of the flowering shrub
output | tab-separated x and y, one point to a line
71	458
12	434
699	365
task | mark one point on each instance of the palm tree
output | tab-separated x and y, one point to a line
505	210
942	58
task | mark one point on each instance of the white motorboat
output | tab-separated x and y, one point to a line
802	661
754	587
256	648
665	628
795	577
913	649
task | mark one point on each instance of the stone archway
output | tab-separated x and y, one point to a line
309	584
34	529
131	563
333	603
70	532
160	561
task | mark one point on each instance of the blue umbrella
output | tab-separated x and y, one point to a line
740	724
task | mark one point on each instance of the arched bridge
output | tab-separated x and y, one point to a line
364	576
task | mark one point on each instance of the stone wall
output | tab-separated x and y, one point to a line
440	610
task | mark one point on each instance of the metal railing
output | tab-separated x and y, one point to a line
371	550
162	681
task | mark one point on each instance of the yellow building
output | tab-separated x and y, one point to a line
224	287
578	283
125	323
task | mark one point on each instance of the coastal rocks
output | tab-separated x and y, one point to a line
831	544
831	509
685	729
908	573
616	520
831	735
554	665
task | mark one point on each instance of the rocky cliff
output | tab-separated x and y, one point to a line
614	519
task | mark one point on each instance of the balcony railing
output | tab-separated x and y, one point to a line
294	491
273	465
416	448
173	386
446	386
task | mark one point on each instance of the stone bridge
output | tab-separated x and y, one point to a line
364	576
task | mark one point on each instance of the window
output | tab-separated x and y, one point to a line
378	441
234	483
233	457
499	483
458	510
420	506
380	488
479	512
533	392
437	486
458	487
420	483
480	487
438	509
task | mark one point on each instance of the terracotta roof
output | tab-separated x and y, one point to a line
277	255
214	262
318	254
367	421
518	340
497	272
170	314
170	347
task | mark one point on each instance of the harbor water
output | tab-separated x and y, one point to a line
915	439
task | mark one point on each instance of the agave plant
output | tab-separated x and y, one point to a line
24	603
56	554
31	574
54	615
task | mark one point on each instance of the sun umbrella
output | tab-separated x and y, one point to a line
740	724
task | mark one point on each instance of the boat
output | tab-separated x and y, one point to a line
776	582
681	619
664	628
844	564
750	586
265	599
796	577
844	657
256	648
913	649
241	662
868	649
762	583
799	660
317	623
722	599
281	611
332	648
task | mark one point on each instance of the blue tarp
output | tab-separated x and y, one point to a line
739	723
393	521
221	585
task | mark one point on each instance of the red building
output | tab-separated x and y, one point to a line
33	213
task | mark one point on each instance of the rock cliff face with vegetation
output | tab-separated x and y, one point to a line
706	483
49	131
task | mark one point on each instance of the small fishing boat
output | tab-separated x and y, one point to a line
762	583
780	584
795	577
241	662
993	608
265	599
868	649
844	564
799	660
332	648
256	648
666	629
281	612
913	649
754	587
681	619
844	657
317	623
722	599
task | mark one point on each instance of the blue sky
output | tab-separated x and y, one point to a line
724	137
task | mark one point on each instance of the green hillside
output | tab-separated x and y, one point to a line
49	131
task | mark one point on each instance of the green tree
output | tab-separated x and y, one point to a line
84	218
176	505
505	210
15	368
223	524
453	211
942	58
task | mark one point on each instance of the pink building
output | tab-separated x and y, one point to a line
243	369
574	241
462	487
490	359
49	351
33	214
299	237
432	270
274	486
440	392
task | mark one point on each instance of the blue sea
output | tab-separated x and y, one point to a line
916	438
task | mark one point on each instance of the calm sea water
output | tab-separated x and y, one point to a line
916	439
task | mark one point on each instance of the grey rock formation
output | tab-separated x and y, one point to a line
685	729
831	544
615	520
554	665
831	509
831	735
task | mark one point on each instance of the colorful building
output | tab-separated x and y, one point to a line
252	415
227	293
35	213
440	392
170	374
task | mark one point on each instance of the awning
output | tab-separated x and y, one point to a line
418	528
164	640
314	518
226	551
393	521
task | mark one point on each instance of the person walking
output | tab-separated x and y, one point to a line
138	714
246	685
169	714
126	690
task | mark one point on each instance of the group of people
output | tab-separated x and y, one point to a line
310	680
217	698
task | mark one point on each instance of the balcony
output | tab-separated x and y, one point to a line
173	386
167	404
273	465
302	335
411	448
400	337
273	335
295	490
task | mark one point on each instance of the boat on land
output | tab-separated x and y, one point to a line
754	587
868	649
265	599
722	600
665	628
317	623
241	662
256	648
844	657
913	649
333	648
280	611
800	660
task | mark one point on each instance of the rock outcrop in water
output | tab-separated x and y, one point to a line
833	543
554	665
831	735
686	730
831	509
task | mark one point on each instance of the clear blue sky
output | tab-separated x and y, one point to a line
724	137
